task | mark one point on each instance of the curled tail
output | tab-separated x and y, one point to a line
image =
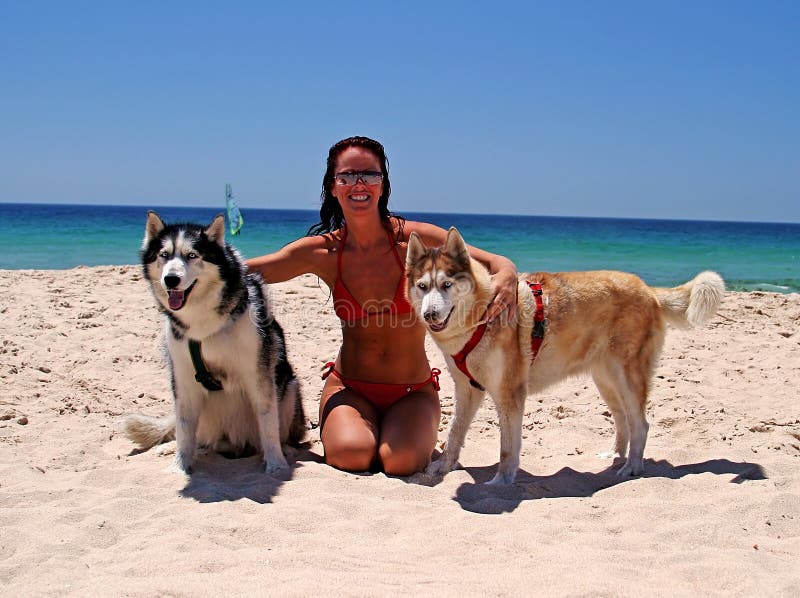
147	432
692	303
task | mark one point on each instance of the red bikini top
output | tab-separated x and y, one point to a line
349	309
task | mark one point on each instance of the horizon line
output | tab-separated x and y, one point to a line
467	213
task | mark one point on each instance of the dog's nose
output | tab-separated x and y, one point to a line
172	281
432	315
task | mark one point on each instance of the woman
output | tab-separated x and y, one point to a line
379	405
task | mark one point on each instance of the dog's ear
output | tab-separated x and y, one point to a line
455	246
154	226
416	249
216	230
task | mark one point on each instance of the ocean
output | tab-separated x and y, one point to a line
750	256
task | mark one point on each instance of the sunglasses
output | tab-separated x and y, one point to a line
368	177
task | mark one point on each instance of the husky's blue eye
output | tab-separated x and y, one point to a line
447	284
192	255
164	254
422	286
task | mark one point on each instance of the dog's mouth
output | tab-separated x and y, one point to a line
439	326
177	298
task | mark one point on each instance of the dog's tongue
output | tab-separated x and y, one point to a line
175	299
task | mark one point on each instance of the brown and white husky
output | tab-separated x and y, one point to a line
609	324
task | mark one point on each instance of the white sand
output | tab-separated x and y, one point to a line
716	513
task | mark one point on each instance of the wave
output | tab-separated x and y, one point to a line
792	286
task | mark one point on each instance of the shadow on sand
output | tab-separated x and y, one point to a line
478	497
217	478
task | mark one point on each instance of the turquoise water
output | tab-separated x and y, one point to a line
749	256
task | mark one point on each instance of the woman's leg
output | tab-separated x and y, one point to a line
408	432
348	427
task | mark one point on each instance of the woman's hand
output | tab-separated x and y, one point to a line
505	294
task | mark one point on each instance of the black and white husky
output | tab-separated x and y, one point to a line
233	387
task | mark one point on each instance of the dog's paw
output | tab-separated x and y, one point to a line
423	478
502	478
166	449
440	467
631	468
183	463
275	465
178	469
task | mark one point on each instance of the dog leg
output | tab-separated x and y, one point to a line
187	409
509	411
634	394
468	400
605	385
265	405
292	418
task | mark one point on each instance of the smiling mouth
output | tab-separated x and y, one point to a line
360	197
439	326
177	298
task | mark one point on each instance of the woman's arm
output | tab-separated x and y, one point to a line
502	269
303	256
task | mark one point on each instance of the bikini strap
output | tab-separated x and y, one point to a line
393	245
435	378
330	365
339	251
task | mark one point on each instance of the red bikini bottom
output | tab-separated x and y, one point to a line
381	395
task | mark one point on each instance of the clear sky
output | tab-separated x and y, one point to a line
623	109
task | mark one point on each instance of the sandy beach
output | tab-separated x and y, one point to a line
83	513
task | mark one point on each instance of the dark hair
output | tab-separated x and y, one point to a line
330	212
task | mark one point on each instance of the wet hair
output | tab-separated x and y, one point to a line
331	217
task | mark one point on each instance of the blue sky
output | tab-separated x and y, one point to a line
620	109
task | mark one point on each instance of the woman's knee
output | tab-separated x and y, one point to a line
404	461
408	434
349	431
350	459
349	451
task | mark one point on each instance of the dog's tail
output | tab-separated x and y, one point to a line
147	432
692	303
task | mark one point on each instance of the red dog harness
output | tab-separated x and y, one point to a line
537	337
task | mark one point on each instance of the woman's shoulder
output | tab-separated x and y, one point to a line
327	242
430	233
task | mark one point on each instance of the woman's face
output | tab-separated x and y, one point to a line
358	196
